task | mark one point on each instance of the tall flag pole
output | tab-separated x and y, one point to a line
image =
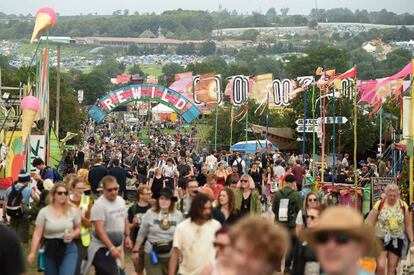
313	131
231	125
247	125
355	141
304	126
323	135
333	135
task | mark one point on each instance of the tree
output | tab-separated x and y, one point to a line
271	13
284	11
136	69
313	24
117	13
208	48
247	54
186	49
250	34
126	12
95	85
133	50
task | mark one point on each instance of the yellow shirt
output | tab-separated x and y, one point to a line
391	219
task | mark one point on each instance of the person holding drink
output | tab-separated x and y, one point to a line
58	224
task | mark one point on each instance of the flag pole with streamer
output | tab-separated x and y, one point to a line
231	126
313	130
355	143
410	143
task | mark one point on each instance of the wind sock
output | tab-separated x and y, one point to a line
30	107
45	19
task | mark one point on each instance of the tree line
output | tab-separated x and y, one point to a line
188	24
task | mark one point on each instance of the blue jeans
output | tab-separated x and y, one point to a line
68	264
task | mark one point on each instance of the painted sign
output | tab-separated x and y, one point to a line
16	157
37	149
336	120
137	92
378	187
308	128
301	121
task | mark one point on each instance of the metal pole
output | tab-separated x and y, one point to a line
58	92
323	137
333	135
231	126
267	117
355	145
215	128
304	127
247	125
380	142
313	131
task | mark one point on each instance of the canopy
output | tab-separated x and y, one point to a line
252	146
161	108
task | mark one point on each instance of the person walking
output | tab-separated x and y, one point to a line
341	240
247	198
96	174
12	261
110	231
392	221
299	172
135	214
17	200
156	233
120	174
58	224
84	173
226	203
84	203
193	238
311	200
184	203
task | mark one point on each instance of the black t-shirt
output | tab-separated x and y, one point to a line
142	167
202	179
157	185
11	258
132	211
256	175
184	170
245	206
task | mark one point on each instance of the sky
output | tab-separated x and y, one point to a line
75	7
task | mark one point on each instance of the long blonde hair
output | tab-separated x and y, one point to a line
53	191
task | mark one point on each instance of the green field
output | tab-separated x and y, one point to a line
152	69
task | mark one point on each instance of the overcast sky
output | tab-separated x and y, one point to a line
74	7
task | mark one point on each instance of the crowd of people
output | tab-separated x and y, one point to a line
195	212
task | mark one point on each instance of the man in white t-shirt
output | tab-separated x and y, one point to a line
193	239
211	162
110	230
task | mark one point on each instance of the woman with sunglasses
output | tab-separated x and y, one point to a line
221	264
59	223
157	228
304	258
311	200
392	221
247	198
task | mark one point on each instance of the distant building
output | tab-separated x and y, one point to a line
147	34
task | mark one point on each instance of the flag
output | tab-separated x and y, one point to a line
329	72
351	73
207	89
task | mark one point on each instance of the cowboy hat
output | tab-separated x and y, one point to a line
344	219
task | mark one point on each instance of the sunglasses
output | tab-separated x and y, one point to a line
243	180
315	200
340	238
310	217
112	189
220	246
60	193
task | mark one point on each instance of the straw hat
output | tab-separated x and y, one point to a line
344	219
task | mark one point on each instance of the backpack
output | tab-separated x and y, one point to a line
56	176
285	200
239	167
14	206
381	205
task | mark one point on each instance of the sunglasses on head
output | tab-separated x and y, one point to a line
112	189
60	193
340	238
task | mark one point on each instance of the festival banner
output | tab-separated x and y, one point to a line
16	157
207	89
237	89
37	149
261	86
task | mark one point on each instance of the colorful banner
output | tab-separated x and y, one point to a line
237	89
260	86
207	90
16	158
139	92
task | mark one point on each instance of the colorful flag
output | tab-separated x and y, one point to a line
207	90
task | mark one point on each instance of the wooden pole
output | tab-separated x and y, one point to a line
410	150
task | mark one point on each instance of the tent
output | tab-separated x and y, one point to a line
252	146
161	112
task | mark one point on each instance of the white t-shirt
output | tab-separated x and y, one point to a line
279	170
113	213
299	218
195	243
169	171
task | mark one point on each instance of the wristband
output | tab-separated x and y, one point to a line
112	248
135	251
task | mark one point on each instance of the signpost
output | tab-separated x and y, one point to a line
307	128
335	120
308	121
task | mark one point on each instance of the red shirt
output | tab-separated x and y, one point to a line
298	171
216	190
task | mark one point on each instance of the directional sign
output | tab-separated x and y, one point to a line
336	120
308	129
308	121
